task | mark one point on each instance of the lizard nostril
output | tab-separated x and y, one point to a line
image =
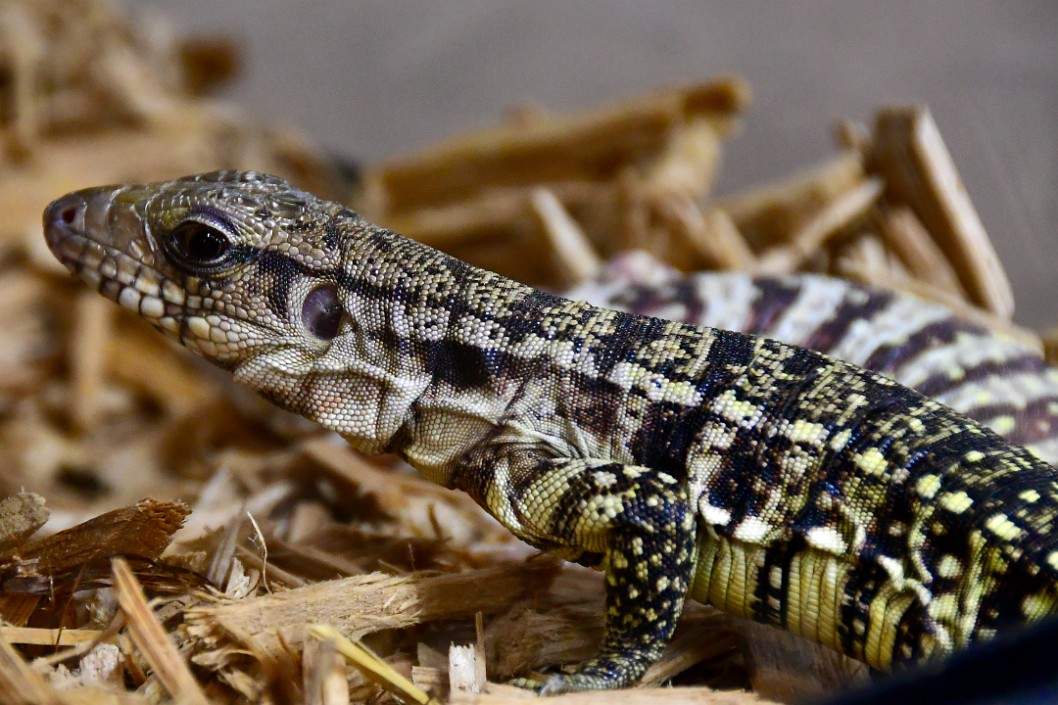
64	215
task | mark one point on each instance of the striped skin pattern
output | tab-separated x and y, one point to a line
768	480
986	375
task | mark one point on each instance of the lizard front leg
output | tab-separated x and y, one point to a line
639	521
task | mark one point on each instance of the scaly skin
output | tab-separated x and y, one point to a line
985	374
768	480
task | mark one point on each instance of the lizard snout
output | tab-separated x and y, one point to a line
85	227
64	217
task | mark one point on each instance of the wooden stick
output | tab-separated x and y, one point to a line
583	146
768	215
909	152
811	236
907	238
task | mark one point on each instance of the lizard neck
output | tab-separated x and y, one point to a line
446	350
428	364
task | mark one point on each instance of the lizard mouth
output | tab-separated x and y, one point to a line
79	234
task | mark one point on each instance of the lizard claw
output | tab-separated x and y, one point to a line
557	684
534	684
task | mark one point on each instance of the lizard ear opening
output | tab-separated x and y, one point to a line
322	312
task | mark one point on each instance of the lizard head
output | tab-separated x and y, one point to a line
225	262
240	267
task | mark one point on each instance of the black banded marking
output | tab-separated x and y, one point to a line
944	383
464	366
279	274
893	356
1034	422
774	298
836	328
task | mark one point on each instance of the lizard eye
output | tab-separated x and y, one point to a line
322	312
199	242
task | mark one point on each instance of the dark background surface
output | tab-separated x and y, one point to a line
371	79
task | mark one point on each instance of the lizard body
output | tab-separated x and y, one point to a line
981	373
768	480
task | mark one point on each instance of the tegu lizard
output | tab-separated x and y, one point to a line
766	479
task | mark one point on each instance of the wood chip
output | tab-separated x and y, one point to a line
911	155
574	255
92	332
324	673
20	516
958	305
852	135
430	679
687	163
21	38
1050	346
689	647
49	637
373	667
97	410
909	240
770	214
143	530
20	684
152	640
867	256
790	669
392	489
711	234
817	230
364	604
466	668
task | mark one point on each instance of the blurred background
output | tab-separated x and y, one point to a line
372	79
